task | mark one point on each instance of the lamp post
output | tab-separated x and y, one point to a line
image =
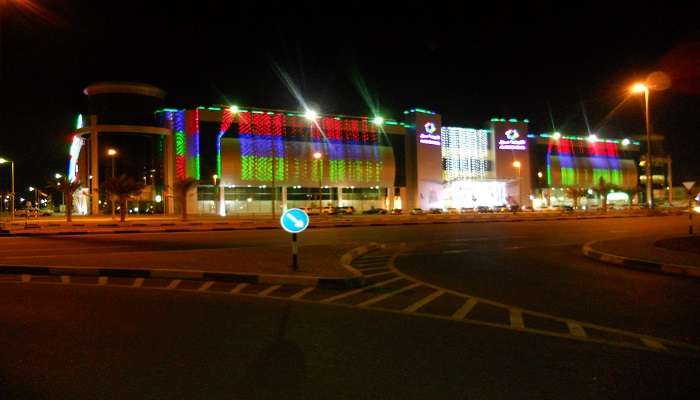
517	165
642	88
318	157
112	153
216	193
36	195
12	188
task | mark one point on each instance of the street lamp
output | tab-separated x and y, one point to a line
318	156
517	165
638	88
36	195
57	175
12	189
112	153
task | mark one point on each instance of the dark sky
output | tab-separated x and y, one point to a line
469	61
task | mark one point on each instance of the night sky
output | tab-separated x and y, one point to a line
467	62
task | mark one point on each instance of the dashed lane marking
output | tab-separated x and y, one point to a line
301	293
360	290
387	295
516	319
438	302
425	300
238	288
372	269
379	274
173	284
464	310
138	282
653	343
576	329
269	290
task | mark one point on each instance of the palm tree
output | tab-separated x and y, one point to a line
180	189
575	193
603	189
65	186
123	188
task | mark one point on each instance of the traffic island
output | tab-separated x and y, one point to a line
677	255
321	266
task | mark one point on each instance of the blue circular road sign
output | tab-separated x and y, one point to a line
294	220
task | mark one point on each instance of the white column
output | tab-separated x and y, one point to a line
283	200
340	196
222	199
94	183
390	193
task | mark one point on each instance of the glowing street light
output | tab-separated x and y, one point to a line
56	175
517	164
556	136
12	203
625	142
233	109
592	138
378	120
639	88
311	115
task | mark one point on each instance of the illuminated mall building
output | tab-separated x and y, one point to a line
247	158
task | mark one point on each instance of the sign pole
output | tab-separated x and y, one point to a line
295	253
689	186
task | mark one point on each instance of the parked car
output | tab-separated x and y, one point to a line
435	211
349	210
32	212
465	210
396	211
484	209
452	210
417	211
375	211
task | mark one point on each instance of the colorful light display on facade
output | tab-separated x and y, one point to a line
465	153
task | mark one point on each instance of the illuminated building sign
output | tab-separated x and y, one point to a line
75	147
429	136
512	141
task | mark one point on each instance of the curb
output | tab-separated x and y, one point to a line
321	282
173	229
639	265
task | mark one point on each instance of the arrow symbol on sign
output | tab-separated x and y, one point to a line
296	221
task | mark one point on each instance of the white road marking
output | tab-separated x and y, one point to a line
379	274
269	290
356	291
173	284
372	269
516	319
238	288
205	286
425	300
576	329
301	293
387	295
102	280
654	344
138	282
65	279
464	310
26	277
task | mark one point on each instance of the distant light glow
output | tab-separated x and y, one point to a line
233	109
625	142
556	136
73	155
378	120
311	115
592	138
639	88
159	198
517	164
79	121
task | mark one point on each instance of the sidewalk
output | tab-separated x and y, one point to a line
646	253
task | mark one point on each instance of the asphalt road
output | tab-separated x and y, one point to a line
73	341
